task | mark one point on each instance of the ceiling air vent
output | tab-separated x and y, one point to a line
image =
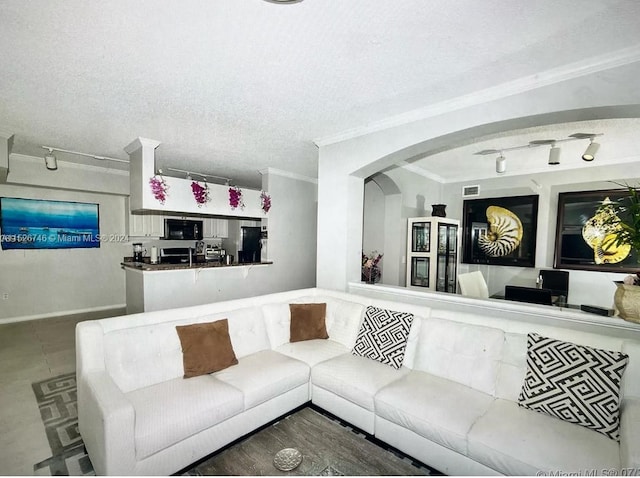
471	191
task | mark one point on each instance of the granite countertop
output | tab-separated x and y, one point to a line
146	266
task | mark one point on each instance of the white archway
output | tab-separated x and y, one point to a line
383	226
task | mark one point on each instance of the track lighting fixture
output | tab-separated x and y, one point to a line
554	155
590	152
50	160
78	153
190	174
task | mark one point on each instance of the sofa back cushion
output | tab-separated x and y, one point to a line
342	319
463	353
140	356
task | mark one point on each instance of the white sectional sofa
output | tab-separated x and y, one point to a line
452	405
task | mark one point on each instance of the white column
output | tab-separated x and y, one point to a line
6	143
142	164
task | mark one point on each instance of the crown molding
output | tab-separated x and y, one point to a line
71	165
288	174
570	71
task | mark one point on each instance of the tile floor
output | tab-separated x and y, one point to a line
29	352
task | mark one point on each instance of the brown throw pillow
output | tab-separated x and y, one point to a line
206	348
307	322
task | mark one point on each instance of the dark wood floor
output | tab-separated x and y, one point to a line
327	448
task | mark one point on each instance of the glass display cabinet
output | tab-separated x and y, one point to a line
433	253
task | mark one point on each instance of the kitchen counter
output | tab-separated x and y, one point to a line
164	286
146	266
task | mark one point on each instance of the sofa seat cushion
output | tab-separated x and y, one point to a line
264	375
313	352
433	407
517	441
355	378
168	412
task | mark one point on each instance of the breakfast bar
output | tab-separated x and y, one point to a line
161	286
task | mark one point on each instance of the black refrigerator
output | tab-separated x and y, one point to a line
250	238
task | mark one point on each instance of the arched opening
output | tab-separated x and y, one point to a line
382	219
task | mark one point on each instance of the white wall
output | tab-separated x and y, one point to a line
292	229
343	165
48	282
373	228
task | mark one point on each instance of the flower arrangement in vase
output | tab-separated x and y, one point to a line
235	198
624	227
200	193
265	201
159	188
370	270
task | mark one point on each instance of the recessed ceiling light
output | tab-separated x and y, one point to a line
283	1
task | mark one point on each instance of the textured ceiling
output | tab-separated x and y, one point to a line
230	87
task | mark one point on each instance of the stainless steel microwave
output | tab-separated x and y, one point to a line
183	229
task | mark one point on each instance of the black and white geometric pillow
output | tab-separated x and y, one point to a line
575	383
383	336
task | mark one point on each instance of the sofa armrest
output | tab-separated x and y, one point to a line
106	420
630	433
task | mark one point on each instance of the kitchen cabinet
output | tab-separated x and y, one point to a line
214	227
145	225
433	245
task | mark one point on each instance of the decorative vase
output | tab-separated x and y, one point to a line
370	275
627	301
438	210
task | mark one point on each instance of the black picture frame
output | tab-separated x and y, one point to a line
572	251
475	224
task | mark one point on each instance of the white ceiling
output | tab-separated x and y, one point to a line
230	87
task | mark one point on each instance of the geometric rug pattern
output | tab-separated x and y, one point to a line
57	399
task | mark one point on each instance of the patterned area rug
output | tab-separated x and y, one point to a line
57	400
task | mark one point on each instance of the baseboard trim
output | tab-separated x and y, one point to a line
60	313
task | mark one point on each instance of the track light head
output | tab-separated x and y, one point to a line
50	160
501	164
554	155
590	152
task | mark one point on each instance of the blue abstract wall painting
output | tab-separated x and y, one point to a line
44	224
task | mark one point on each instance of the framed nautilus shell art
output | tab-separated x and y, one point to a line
584	230
500	231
